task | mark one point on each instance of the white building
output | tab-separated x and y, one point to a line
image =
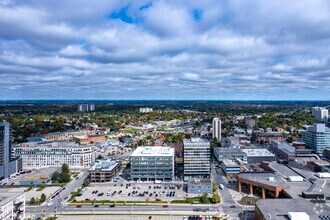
34	155
216	129
152	163
320	114
196	158
317	137
86	107
12	205
146	110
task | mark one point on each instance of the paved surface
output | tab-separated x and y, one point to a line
127	193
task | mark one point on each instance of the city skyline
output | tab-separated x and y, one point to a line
164	50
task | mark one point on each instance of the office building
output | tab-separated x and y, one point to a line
320	114
231	167
283	150
221	154
216	129
104	171
152	163
258	155
317	137
8	163
199	186
55	154
146	110
327	153
196	154
86	107
12	205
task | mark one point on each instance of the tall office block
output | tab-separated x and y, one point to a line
8	163
196	158
320	114
317	137
86	107
152	163
216	129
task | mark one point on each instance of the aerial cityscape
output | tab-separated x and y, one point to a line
164	110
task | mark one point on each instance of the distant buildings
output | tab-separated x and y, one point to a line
55	154
199	186
92	139
196	153
317	137
146	110
284	151
59	136
216	129
12	205
8	163
152	163
104	171
258	155
86	107
320	114
267	137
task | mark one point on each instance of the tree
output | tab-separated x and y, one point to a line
85	183
100	157
55	176
215	198
204	198
32	201
43	198
64	177
215	188
65	168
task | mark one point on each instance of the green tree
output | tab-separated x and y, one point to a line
100	157
32	201
215	188
204	198
65	168
215	198
55	176
64	177
43	198
85	183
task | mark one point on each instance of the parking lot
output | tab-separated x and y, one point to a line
133	192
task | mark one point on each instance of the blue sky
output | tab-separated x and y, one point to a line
211	49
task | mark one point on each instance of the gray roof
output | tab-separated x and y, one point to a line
6	196
278	209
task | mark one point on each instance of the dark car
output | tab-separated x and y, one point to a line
113	205
96	206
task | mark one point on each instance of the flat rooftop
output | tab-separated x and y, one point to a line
7	196
198	181
258	153
104	165
195	140
230	163
151	151
264	178
57	145
278	209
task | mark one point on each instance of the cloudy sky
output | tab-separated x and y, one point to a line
210	49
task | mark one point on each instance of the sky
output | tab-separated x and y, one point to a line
171	50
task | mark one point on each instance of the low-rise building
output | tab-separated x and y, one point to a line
34	180
258	155
146	110
12	205
59	136
221	154
267	137
152	163
55	154
92	139
199	186
104	171
108	143
283	150
231	167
